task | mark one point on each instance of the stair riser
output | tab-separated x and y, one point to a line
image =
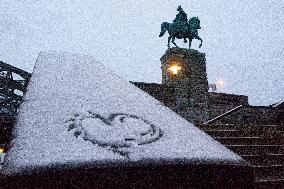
249	141
221	133
270	156
270	185
256	150
281	127
241	127
265	160
264	173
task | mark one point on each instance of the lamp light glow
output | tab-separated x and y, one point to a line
174	69
2	150
221	83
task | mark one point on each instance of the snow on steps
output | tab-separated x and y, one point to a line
261	145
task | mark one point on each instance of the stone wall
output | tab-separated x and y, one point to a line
260	115
280	108
163	93
220	103
281	118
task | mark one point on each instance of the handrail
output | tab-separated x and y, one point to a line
224	114
11	90
22	73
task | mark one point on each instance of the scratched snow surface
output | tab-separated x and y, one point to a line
75	110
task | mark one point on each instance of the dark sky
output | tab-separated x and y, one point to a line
243	41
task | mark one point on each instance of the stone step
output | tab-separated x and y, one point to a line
269	184
253	127
248	140
270	172
256	149
244	133
265	159
261	145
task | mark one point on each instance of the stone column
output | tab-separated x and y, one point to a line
191	84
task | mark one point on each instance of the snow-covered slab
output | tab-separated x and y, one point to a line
76	111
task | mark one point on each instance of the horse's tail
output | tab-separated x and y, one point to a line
164	28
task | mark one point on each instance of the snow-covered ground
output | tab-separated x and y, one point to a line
75	111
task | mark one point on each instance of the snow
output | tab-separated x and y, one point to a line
243	40
76	111
2	155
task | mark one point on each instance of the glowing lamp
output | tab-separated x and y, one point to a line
2	150
221	83
174	69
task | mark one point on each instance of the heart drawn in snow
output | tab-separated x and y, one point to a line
118	132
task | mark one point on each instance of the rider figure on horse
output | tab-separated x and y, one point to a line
181	22
182	28
181	16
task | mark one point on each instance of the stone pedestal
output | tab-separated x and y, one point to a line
190	82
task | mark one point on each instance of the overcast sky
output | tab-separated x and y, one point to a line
243	40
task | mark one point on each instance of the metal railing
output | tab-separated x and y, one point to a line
12	89
224	114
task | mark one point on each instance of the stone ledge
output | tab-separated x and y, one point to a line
151	175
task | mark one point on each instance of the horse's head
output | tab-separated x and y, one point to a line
194	23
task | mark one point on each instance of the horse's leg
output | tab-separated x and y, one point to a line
189	43
173	41
169	40
197	37
200	43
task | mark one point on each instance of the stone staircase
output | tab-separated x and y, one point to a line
261	145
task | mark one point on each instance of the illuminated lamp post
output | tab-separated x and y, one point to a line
174	69
220	84
185	71
3	149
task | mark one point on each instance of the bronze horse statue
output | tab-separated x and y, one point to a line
182	31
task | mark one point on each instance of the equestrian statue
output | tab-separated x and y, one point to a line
182	28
